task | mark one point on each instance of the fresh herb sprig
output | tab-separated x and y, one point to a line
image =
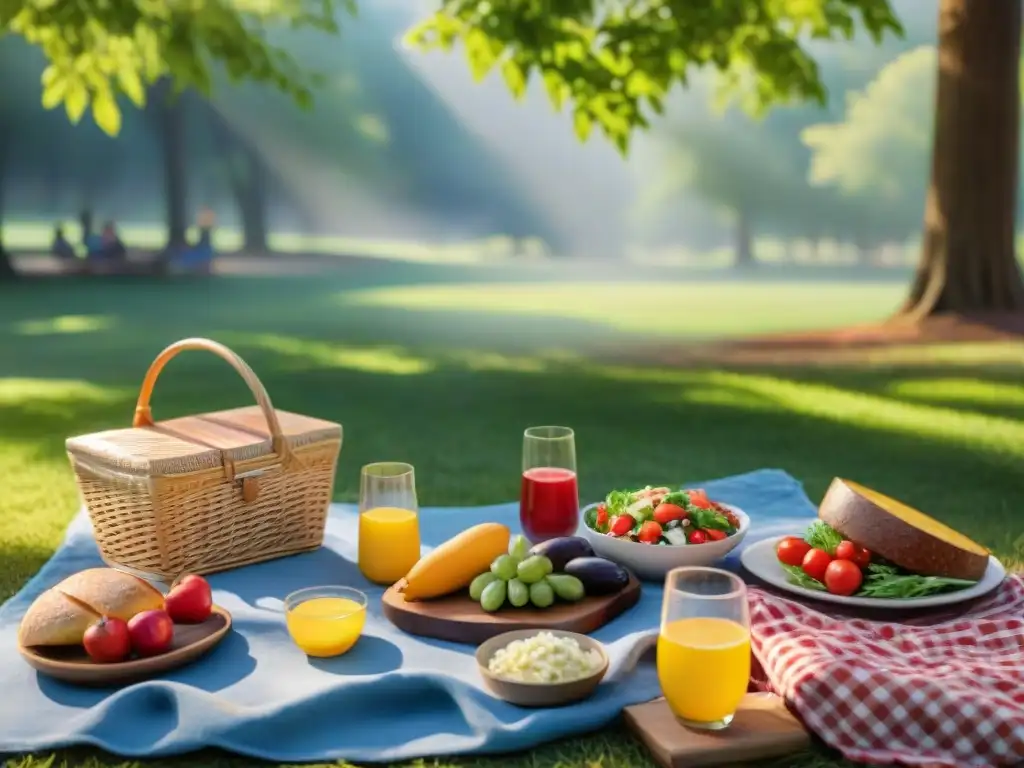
822	536
795	575
907	586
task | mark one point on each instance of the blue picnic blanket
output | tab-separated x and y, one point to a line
393	697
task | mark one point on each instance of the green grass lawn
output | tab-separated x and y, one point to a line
444	367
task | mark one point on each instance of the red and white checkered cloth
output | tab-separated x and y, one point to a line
943	691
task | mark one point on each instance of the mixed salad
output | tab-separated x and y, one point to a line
662	517
823	560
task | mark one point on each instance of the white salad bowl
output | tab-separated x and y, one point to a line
651	561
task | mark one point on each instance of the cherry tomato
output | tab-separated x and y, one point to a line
815	562
666	513
792	550
714	534
699	499
698	537
622	525
601	518
842	577
847	550
650	532
863	558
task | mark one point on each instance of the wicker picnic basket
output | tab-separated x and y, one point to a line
207	493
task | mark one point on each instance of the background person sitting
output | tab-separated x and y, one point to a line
61	247
198	257
111	246
64	251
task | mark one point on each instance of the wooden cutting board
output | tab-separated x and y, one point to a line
458	619
763	728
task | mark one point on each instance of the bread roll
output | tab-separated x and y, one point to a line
61	615
901	534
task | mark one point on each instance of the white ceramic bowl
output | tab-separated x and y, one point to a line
653	562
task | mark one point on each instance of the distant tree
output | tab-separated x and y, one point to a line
98	49
877	157
733	168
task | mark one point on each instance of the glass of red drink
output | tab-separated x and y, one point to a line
549	503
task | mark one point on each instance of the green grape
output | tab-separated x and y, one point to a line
493	596
519	547
476	588
533	569
504	567
567	587
541	594
518	593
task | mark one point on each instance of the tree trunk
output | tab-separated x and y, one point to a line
968	262
7	270
170	111
250	188
744	241
248	179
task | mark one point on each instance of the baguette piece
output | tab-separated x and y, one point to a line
901	534
61	615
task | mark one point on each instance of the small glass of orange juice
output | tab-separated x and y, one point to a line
704	646
389	526
325	621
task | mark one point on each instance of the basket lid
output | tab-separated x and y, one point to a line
196	443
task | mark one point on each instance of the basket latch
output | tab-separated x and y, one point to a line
250	484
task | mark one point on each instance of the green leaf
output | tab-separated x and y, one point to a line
76	99
106	113
515	78
795	575
54	90
131	84
583	124
558	90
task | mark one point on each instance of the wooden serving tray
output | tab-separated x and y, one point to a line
763	728
72	665
459	619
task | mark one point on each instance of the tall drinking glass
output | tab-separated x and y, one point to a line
389	528
704	646
549	503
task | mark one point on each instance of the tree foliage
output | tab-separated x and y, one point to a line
98	49
880	150
612	63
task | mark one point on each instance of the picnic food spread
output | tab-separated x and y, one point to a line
209	477
663	517
869	545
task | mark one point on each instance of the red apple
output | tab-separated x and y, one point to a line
108	641
152	632
190	600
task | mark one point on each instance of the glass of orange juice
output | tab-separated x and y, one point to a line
325	621
704	646
389	527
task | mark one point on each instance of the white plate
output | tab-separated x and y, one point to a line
651	563
761	561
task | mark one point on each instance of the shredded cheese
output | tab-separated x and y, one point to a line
544	658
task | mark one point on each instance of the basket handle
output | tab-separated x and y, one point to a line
144	413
